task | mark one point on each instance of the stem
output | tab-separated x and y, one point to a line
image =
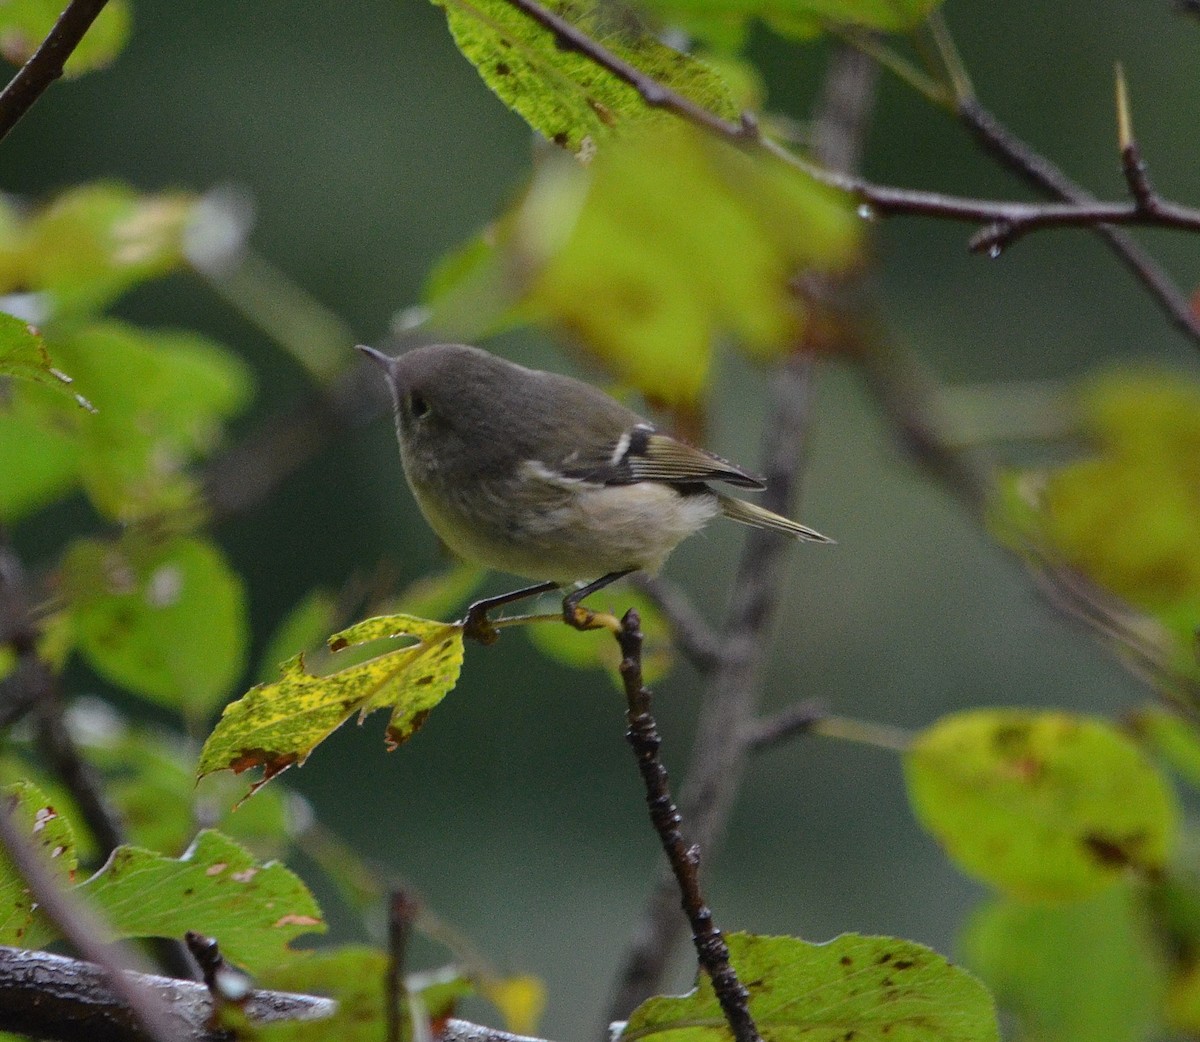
45	65
684	859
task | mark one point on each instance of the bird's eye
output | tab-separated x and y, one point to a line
417	405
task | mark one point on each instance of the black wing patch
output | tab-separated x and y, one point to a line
642	454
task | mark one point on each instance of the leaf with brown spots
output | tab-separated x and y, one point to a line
1042	805
52	836
564	95
276	725
865	989
216	888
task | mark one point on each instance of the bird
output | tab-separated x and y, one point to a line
548	478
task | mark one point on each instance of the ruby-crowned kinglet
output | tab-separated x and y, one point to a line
548	478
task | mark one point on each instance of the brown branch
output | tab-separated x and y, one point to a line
69	1000
730	702
683	858
1038	171
45	65
402	914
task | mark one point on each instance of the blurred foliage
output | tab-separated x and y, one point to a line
1043	806
646	257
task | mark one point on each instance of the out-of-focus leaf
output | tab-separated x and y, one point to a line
436	596
276	725
1041	805
1086	971
51	836
521	1000
669	239
724	23
24	24
1173	738
563	95
595	649
216	888
167	620
90	245
874	989
161	399
1127	516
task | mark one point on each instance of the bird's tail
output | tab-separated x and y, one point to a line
758	517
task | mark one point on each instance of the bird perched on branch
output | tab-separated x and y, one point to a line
548	478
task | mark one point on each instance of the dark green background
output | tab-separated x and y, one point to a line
371	147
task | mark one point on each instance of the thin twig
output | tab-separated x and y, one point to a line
783	726
1036	170
402	912
79	925
711	949
730	701
45	65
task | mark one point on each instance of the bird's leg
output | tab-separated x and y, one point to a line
476	623
575	614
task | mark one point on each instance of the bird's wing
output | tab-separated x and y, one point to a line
643	454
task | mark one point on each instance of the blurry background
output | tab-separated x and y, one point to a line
371	147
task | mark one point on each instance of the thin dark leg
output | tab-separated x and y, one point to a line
581	618
476	624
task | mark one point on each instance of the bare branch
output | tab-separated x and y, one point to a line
684	860
45	65
68	1000
691	634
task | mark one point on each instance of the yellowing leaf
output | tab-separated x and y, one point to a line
1042	805
867	989
276	725
565	96
216	888
520	1000
667	241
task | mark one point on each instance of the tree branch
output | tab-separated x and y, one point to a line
68	1000
45	65
730	701
684	860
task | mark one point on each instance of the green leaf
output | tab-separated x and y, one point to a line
90	245
24	24
217	888
868	989
1174	739
595	649
563	95
23	355
1080	972
303	628
166	620
1041	805
667	241
276	725
51	836
725	22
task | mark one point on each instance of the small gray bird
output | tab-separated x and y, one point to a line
548	478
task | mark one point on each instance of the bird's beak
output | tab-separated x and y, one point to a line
378	357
